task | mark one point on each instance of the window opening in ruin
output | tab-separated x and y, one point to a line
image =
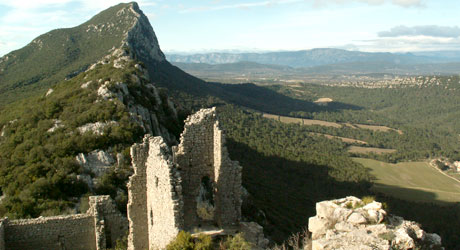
205	200
151	217
156	181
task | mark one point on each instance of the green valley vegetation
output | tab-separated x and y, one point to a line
425	114
287	171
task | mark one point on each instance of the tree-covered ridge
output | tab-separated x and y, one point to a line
60	53
425	114
286	172
40	139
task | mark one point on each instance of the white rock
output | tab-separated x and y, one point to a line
356	218
50	91
104	92
86	84
325	209
318	226
373	206
403	240
57	124
96	128
97	162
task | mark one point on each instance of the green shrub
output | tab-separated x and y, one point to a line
367	199
236	242
185	241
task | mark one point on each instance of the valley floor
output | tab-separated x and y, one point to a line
415	181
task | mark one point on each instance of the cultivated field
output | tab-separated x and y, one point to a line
287	119
344	139
377	128
366	150
416	181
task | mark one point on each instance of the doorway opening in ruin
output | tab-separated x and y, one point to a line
205	201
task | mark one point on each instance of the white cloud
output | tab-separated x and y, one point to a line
408	43
317	3
33	4
239	5
426	30
402	3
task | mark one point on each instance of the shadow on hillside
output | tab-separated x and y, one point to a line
248	95
441	218
286	192
409	194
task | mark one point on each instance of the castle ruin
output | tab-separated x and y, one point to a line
193	187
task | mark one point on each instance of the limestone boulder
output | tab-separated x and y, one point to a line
350	224
97	162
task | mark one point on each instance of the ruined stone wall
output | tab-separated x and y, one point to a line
137	198
60	232
228	182
202	155
97	229
109	224
164	195
155	198
195	157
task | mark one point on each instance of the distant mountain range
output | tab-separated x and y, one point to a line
215	71
318	57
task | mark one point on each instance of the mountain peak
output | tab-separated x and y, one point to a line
66	52
138	34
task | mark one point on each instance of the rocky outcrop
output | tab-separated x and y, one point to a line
142	39
97	162
57	125
350	223
96	128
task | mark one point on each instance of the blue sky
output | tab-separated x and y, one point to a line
260	25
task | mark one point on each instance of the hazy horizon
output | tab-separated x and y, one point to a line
257	25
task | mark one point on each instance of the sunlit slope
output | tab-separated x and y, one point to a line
416	181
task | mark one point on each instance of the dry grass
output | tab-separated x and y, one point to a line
297	241
415	181
344	139
366	150
377	128
287	119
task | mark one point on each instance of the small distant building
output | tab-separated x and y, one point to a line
457	165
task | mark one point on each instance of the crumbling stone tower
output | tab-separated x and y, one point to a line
193	186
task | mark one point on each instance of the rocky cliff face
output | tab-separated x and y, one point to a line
350	223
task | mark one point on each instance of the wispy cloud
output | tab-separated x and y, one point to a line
406	44
316	3
33	4
401	3
426	30
239	5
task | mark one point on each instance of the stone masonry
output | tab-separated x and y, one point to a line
193	187
97	229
